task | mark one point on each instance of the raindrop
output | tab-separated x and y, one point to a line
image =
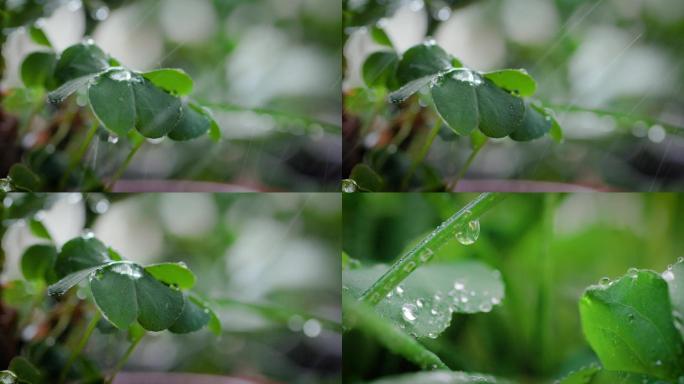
668	275
496	301
432	335
419	303
680	259
155	141
630	317
399	290
127	269
408	312
444	14
657	133
485	307
87	234
633	273
312	328
101	13
467	234
459	286
349	186
113	139
604	281
120	75
469	77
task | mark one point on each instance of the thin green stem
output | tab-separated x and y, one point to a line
424	251
545	285
125	164
422	154
122	361
83	150
454	183
81	345
362	316
670	128
279	314
310	124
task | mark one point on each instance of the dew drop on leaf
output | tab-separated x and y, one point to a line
467	234
87	234
604	281
349	186
468	76
113	139
399	290
408	312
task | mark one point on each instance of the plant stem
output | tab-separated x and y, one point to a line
125	164
362	316
81	345
309	122
545	285
79	155
454	183
424	251
122	361
670	128
422	154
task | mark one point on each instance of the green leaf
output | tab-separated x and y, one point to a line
556	130
38	229
535	125
24	179
366	178
517	81
456	103
214	324
427	59
114	292
192	124
379	68
68	88
80	60
380	36
580	376
81	253
193	318
409	89
67	282
361	316
674	276
174	81
176	274
25	371
422	305
500	113
135	332
159	306
112	102
214	131
38	68
609	377
157	112
8	377
630	326
440	377
465	101
37	262
39	37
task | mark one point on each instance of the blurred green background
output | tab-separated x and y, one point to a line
548	247
624	56
272	54
279	252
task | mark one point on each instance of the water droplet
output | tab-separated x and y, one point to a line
408	312
87	234
5	186
399	290
668	275
630	317
485	307
312	328
443	14
658	363
604	281
433	312
459	286
468	76
113	139
349	186
432	335
130	270
467	234
680	259
101	13
156	141
496	301
122	75
419	303
657	134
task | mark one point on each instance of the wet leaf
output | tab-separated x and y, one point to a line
8	377
193	318
80	60
81	253
38	68
192	124
174	81
439	377
456	103
630	325
609	377
674	276
500	113
112	102
517	81
114	292
25	371
379	69
403	93
70	280
422	60
423	304
581	376
176	274
157	112
535	125
68	88
159	306
38	261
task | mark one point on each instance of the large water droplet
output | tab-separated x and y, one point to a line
604	281
408	312
467	234
349	186
113	139
468	76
